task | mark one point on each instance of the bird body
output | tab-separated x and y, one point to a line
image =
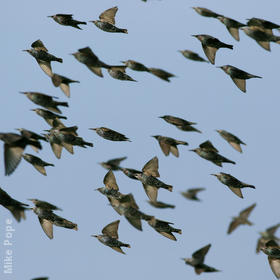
63	83
233	140
110	134
67	20
38	163
136	66
192	56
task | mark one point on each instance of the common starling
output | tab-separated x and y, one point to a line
110	237
162	74
234	141
164	228
55	144
66	19
207	151
168	145
191	193
265	24
44	204
268	234
205	12
127	206
107	21
87	57
63	83
210	46
272	250
130	172
47	219
14	145
232	26
43	58
238	76
192	55
32	136
136	66
111	188
16	208
234	184
38	163
261	36
118	73
242	219
160	204
110	134
48	116
197	261
113	164
180	123
148	178
45	101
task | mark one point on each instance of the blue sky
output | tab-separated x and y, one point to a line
199	92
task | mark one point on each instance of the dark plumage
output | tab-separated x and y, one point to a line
233	140
67	20
110	134
63	83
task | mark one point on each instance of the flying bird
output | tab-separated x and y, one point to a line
205	12
268	234
110	134
136	66
160	204
48	116
109	237
192	56
67	20
232	26
63	83
162	74
233	140
191	194
118	73
113	164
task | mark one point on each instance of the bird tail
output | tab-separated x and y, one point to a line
254	76
177	230
182	143
227	46
124	31
65	104
62	117
169	188
59	59
81	22
229	161
49	164
125	245
88	144
249	186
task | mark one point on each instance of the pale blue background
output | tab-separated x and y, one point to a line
200	93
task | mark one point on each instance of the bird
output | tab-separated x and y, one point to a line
268	234
38	163
192	55
160	204
205	12
106	21
63	83
265	24
48	116
210	46
16	207
45	101
168	144
136	66
197	261
261	36
232	26
32	136
180	123
130	172
47	219
109	237
44	204
43	58
272	250
113	164
207	151
233	140
233	183
110	134
164	228
67	20
148	177
118	73
238	76
242	219
162	74
14	145
89	59
191	194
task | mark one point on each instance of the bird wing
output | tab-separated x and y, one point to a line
236	146
234	32
151	167
12	158
246	212
112	229
233	225
39	46
45	66
47	227
237	191
174	151
151	192
41	169
168	235
164	147
110	181
272	230
135	222
201	253
260	244
68	147
240	83
264	44
18	213
88	51
209	146
57	149
275	266
116	161
118	249
196	190
109	15
65	88
210	52
96	70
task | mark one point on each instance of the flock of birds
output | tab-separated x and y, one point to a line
60	136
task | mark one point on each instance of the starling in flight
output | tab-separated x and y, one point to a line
232	26
268	234
160	204
234	141
113	164
110	134
205	12
192	55
136	66
162	74
66	19
63	83
191	193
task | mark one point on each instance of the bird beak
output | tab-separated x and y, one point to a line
93	128
94	236
218	66
193	150
194	36
25	50
50	16
214	175
22	92
32	109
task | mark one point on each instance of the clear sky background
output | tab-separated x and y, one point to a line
199	92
